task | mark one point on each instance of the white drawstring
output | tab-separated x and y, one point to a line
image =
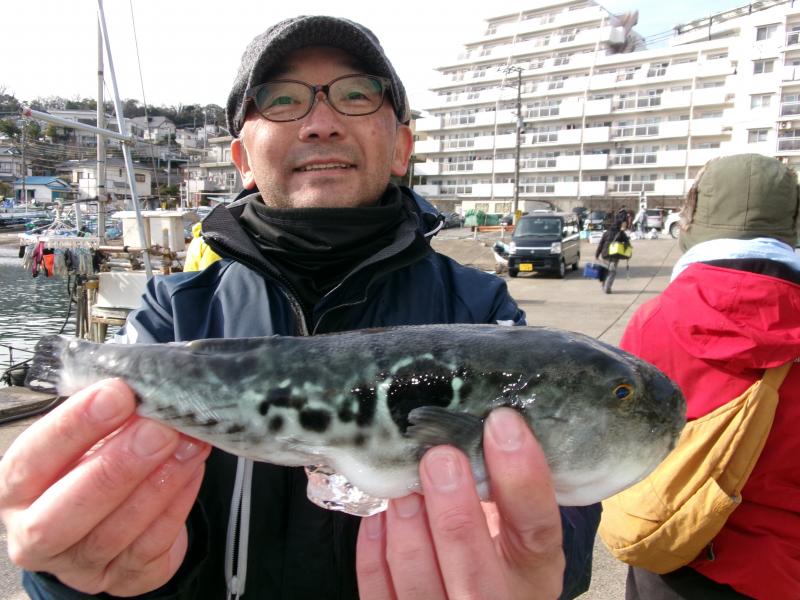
240	515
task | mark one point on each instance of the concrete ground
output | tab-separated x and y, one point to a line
572	303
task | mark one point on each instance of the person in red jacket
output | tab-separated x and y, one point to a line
731	311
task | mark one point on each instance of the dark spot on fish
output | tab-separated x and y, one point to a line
345	412
367	399
235	429
422	383
275	424
281	397
359	439
210	422
263	408
314	419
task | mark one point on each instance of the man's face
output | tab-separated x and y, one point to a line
325	159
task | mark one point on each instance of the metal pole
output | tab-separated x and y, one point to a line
101	144
24	170
125	151
27	111
519	135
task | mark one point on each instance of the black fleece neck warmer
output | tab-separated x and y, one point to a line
316	248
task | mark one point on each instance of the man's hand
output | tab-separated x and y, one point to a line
99	497
446	546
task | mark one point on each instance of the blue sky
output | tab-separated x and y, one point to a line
190	49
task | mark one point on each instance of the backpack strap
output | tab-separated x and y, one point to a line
774	377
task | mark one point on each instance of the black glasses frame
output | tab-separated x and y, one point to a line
250	96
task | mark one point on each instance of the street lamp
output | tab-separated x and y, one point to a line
520	128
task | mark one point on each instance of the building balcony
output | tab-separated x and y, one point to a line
427	168
671	187
543	24
709	126
593	188
789	144
484	167
423	147
427	191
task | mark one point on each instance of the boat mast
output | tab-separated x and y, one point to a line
125	150
101	144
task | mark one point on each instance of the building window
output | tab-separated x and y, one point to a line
765	32
657	69
139	177
763	66
755	136
760	100
793	36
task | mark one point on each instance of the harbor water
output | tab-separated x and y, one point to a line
30	307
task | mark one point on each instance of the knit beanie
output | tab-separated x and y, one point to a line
268	51
743	196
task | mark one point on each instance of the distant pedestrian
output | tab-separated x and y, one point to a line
640	222
615	234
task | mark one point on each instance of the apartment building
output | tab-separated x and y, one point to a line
600	127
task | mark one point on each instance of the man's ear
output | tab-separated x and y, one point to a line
242	162
403	145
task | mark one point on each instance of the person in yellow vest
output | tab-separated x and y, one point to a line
199	255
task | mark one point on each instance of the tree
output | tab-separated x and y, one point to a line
9	129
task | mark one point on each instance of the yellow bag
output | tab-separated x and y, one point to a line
663	522
620	249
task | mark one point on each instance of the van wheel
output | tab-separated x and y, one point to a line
562	269
513	272
575	265
673	230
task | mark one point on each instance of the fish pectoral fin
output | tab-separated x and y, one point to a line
434	425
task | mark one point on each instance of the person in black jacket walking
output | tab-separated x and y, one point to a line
98	501
615	233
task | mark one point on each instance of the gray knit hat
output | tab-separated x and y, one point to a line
743	196
268	50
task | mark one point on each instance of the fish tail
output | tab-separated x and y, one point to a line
47	365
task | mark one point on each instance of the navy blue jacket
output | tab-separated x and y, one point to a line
298	550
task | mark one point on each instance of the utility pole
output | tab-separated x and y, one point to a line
520	128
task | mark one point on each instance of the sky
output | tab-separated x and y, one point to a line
190	49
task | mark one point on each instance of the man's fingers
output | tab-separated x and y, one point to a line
93	489
530	540
48	447
466	553
161	496
374	577
410	551
159	552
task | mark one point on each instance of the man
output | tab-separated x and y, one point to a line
615	233
319	242
731	311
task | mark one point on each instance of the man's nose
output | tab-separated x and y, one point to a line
322	123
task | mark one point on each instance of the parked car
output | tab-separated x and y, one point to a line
597	220
545	241
655	218
453	219
672	223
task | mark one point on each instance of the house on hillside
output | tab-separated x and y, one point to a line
155	129
41	190
83	175
10	164
212	174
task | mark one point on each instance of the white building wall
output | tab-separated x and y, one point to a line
601	128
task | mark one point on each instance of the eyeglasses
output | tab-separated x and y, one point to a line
290	100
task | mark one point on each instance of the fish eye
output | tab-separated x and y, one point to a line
623	391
